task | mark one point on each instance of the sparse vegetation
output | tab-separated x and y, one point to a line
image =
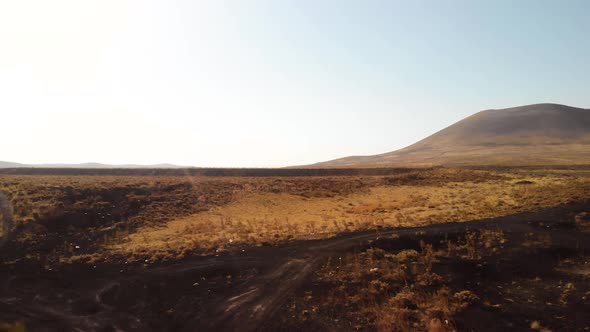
168	217
281	210
372	253
435	287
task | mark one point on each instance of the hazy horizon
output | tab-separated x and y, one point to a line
269	83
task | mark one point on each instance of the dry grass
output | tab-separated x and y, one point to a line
12	327
383	290
167	216
386	291
258	217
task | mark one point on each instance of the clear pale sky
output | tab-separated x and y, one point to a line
272	83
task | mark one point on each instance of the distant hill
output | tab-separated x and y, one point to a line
540	134
6	164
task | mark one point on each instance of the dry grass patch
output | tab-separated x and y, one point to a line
256	217
385	291
171	215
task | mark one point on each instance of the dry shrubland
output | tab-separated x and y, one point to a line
283	213
376	289
381	288
164	217
524	270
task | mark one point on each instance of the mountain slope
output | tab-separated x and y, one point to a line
540	134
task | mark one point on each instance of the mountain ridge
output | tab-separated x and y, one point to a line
8	164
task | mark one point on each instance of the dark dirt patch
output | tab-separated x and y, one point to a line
254	289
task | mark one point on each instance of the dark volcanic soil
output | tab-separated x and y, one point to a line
248	289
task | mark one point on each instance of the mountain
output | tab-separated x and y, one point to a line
540	134
6	164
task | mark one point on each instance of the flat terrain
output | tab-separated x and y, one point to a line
430	249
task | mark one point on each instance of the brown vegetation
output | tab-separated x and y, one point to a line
281	209
474	280
91	218
370	253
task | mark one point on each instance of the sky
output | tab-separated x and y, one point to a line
271	83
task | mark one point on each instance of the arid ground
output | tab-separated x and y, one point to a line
436	249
